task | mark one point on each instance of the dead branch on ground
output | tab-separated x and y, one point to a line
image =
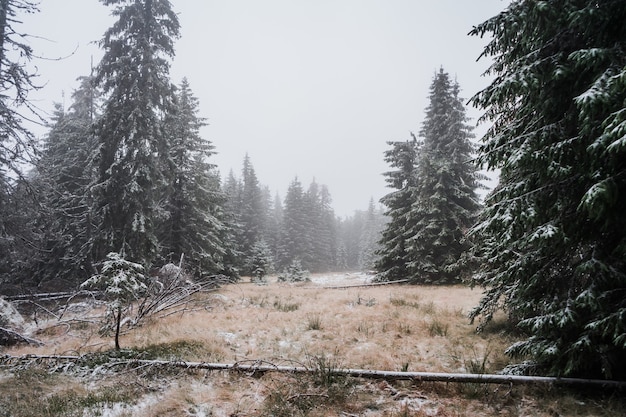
10	338
8	361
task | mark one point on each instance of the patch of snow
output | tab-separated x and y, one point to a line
123	409
342	278
228	337
220	297
9	316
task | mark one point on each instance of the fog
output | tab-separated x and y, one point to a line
312	89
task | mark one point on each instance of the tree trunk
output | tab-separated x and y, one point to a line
253	367
117	327
4	5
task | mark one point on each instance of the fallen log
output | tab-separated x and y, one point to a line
369	284
262	367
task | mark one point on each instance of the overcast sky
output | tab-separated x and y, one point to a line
308	88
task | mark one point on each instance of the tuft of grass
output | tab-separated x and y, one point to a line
286	307
363	327
404	328
30	392
260	301
314	322
170	351
368	302
438	328
322	389
429	308
403	302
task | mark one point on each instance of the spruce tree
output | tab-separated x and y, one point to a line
194	224
65	174
17	143
393	257
252	211
293	241
553	234
274	226
445	204
319	255
134	73
369	237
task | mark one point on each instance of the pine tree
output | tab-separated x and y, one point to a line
553	234
134	73
394	258
194	223
445	204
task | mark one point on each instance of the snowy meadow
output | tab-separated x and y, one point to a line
331	322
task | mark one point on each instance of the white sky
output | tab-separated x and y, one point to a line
308	88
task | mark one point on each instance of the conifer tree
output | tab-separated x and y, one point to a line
393	257
252	212
274	226
319	255
17	143
369	237
293	240
194	224
445	204
65	174
134	74
553	234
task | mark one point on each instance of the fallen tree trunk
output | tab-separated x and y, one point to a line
262	367
370	284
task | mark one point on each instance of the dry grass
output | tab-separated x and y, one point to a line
395	328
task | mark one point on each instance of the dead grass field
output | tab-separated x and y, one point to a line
396	328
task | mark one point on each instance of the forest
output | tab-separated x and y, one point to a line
125	176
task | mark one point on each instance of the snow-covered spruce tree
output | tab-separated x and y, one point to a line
553	234
231	189
122	283
393	257
321	230
273	225
369	237
65	174
261	262
293	240
252	215
294	272
17	143
445	203
134	74
194	224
